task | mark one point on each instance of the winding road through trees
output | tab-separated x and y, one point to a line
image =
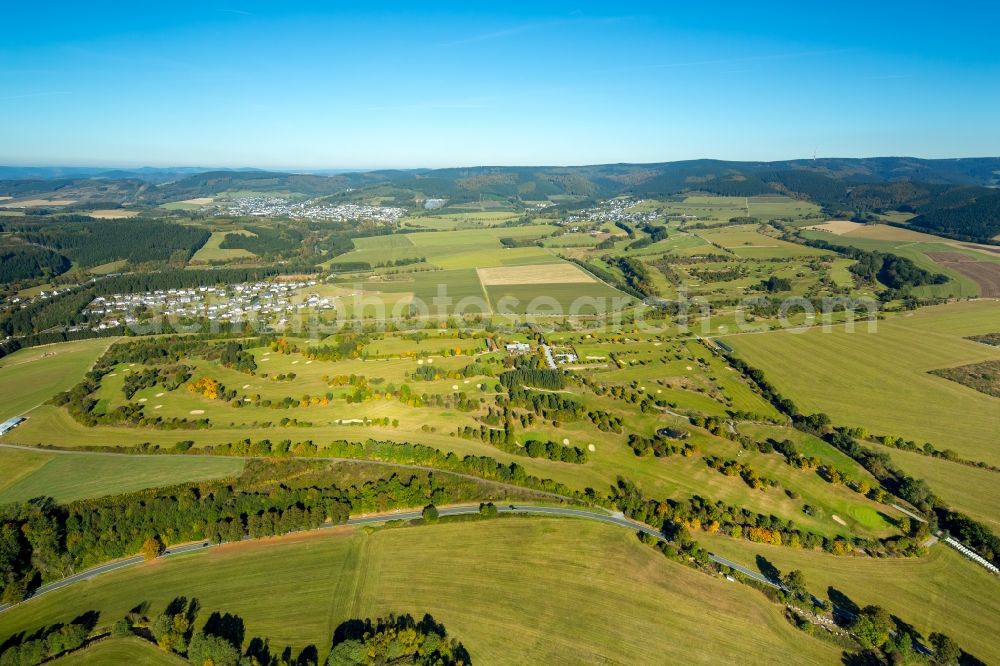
561	512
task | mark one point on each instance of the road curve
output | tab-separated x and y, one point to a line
560	512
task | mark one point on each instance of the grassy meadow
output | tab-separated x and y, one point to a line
29	377
211	252
914	246
562	587
942	591
71	476
880	380
134	651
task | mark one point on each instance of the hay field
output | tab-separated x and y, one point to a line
29	377
133	651
837	227
917	251
880	380
942	591
113	214
561	273
31	203
571	592
211	251
72	476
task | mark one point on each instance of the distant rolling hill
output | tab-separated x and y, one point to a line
956	197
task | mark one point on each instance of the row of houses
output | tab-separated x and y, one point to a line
223	303
312	210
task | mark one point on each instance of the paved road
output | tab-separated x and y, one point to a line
563	512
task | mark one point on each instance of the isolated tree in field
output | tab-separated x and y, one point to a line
488	510
152	548
430	514
946	651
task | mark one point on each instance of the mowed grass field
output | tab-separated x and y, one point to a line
567	591
747	242
71	476
456	249
211	251
971	490
942	591
880	380
29	377
915	246
710	208
134	651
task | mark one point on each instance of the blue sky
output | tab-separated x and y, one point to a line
368	85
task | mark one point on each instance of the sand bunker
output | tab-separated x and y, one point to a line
591	447
159	395
838	519
196	412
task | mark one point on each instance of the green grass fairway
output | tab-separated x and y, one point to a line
566	591
133	651
942	591
71	476
880	380
29	377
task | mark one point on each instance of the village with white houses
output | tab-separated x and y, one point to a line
313	210
273	301
614	210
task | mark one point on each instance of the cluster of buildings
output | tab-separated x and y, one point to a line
553	358
313	210
614	210
229	303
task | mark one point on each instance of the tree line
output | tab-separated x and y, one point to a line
42	541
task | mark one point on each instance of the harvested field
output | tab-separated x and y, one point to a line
563	273
113	214
949	257
986	274
837	227
199	201
993	249
28	203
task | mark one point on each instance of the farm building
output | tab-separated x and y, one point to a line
10	424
